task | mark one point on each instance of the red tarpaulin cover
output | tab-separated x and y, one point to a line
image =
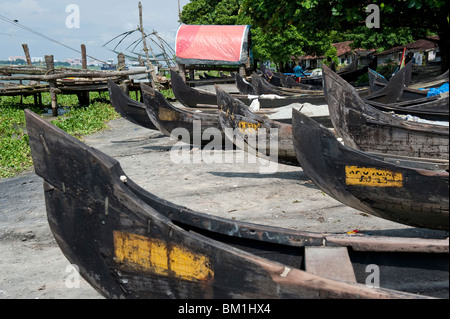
198	44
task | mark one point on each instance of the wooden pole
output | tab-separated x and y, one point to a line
83	97
144	43
83	57
27	53
120	61
51	69
29	63
182	69
121	66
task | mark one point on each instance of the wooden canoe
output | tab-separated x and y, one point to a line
193	97
392	91
399	87
288	81
366	128
196	128
386	96
410	191
353	75
263	87
132	110
376	81
433	108
128	243
255	134
244	87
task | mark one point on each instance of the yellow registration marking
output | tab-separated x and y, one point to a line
158	257
246	127
167	115
368	176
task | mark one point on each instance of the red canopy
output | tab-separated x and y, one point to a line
212	44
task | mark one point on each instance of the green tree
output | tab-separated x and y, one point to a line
268	44
400	20
222	12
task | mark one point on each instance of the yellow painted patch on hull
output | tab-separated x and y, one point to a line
246	127
159	257
167	115
368	176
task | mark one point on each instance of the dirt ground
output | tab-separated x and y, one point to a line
32	265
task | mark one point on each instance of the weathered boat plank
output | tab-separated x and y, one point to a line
366	128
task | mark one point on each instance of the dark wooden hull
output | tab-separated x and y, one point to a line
353	75
398	88
412	192
376	81
288	81
263	87
255	133
191	97
386	95
132	110
185	125
392	91
129	243
369	129
244	87
312	80
431	108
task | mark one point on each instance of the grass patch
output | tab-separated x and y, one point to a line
83	121
15	154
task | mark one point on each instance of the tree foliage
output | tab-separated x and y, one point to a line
293	27
401	21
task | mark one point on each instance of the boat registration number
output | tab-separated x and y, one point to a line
368	176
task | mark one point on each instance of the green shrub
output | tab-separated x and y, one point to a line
15	154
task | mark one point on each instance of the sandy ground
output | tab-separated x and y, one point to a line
33	266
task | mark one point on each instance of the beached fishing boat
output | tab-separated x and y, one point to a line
256	134
244	87
364	127
183	124
399	87
132	110
390	91
135	112
129	243
288	81
406	190
433	108
353	75
194	97
263	87
386	97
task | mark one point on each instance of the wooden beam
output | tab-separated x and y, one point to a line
83	96
105	74
27	54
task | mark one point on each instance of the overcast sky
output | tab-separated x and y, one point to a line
99	22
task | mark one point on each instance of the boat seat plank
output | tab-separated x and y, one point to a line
331	262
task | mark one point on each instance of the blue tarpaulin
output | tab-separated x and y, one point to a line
436	91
